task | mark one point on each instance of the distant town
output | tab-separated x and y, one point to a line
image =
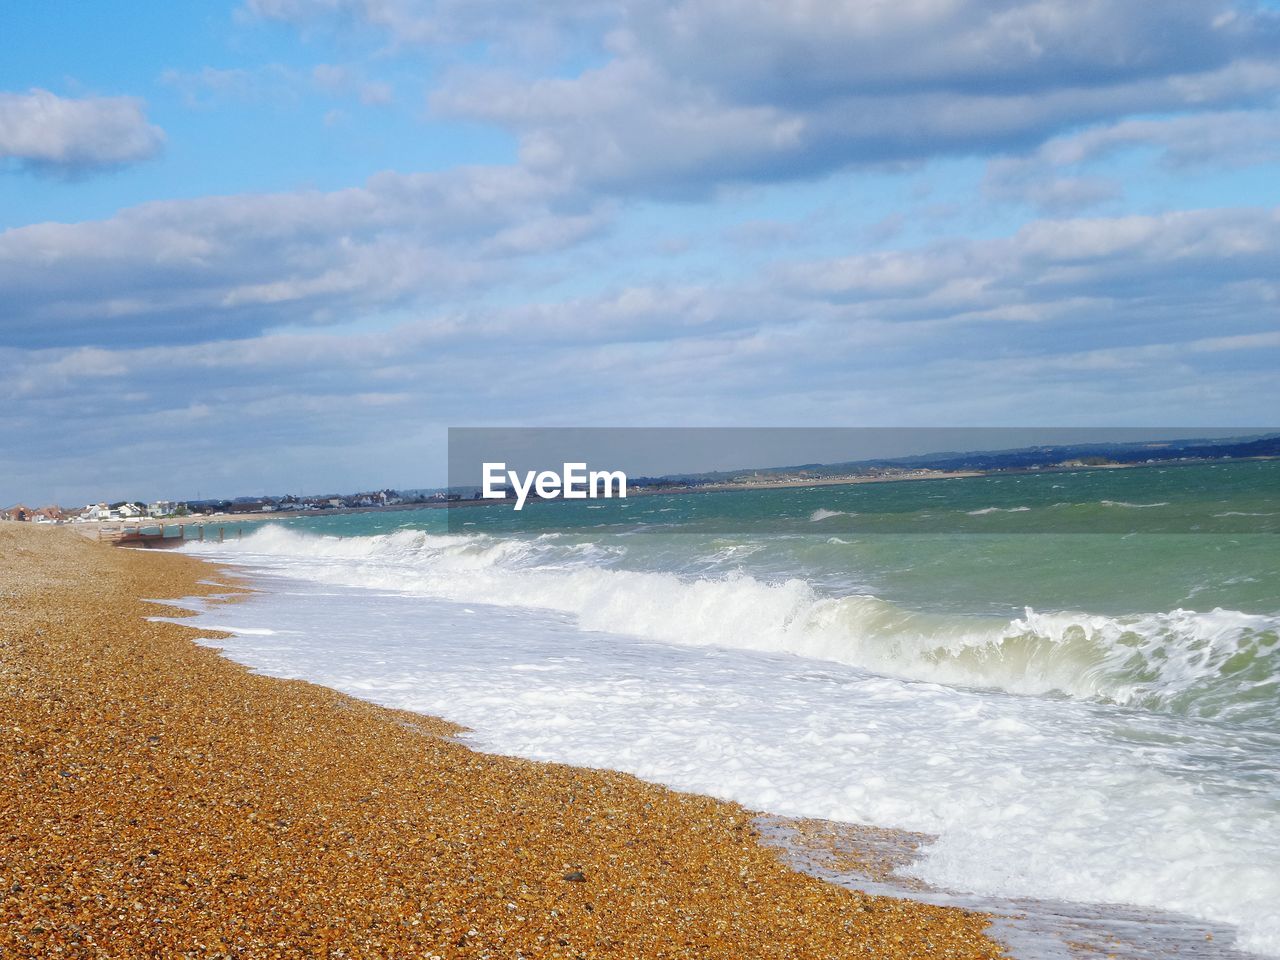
130	510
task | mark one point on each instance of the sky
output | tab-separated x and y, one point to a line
281	246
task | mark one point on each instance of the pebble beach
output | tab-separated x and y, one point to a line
161	801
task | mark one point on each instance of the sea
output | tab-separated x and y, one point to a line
1068	680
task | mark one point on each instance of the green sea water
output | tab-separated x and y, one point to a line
1153	587
1111	541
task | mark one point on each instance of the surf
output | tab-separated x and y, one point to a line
1215	663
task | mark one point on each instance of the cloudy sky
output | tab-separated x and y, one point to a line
270	246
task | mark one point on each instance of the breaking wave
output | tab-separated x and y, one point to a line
1219	663
823	514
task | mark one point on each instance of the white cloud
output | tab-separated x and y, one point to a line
177	271
682	96
700	92
1055	178
802	52
1085	297
44	132
1174	270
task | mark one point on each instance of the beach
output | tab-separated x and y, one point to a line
704	478
162	801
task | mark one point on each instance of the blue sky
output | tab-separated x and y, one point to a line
282	245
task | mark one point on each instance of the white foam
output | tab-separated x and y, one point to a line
1029	796
1165	660
823	514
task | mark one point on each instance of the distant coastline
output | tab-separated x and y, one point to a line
744	485
937	466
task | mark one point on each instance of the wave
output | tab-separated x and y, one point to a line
822	514
1222	663
986	510
1133	506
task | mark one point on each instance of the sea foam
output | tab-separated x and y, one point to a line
546	652
1220	663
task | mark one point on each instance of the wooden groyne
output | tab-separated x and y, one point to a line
163	536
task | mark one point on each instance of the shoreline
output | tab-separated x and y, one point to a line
848	851
174	802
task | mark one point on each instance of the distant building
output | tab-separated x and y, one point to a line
17	512
161	508
49	514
